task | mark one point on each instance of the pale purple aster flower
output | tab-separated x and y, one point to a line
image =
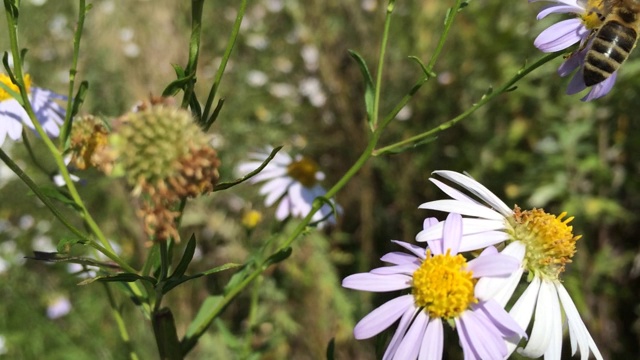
293	181
58	307
566	33
482	324
13	116
549	245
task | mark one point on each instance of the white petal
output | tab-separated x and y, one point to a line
493	265
462	208
407	269
522	311
452	233
547	317
576	326
477	189
398	258
499	289
452	192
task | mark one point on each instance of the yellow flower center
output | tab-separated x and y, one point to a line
549	240
443	286
592	17
6	80
304	171
251	218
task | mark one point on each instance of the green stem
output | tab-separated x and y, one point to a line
124	334
223	64
194	48
383	49
483	101
66	127
19	78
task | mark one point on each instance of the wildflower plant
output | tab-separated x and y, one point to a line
168	160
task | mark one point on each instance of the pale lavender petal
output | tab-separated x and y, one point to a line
429	222
377	283
415	249
405	321
382	317
410	346
573	62
559	9
543	324
561	35
501	289
469	226
14	128
490	250
501	319
493	265
462	208
477	189
398	258
601	89
407	269
482	339
467	348
433	341
452	234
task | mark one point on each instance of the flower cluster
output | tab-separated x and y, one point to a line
166	158
472	295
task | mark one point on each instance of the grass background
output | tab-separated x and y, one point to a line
291	82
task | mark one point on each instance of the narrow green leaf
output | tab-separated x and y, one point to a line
200	321
279	256
55	193
194	104
226	185
122	277
177	85
173	282
179	70
214	115
369	88
187	256
331	349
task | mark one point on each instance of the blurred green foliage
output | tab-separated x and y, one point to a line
291	81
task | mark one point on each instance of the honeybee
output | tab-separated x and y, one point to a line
613	41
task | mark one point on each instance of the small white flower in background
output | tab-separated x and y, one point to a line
58	307
59	180
3	345
12	116
442	284
257	78
291	181
549	244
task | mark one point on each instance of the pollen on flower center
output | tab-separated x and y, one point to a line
592	17
6	80
443	286
304	171
549	240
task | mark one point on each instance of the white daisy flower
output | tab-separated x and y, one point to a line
442	284
13	116
549	243
292	181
